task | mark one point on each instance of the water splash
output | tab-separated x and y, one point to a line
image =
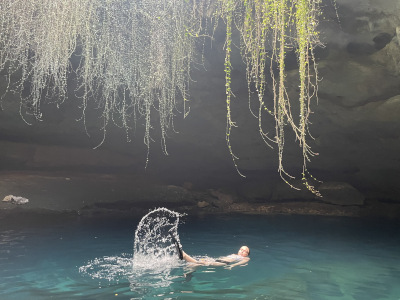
154	264
109	268
155	258
154	235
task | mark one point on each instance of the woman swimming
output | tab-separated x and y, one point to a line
228	261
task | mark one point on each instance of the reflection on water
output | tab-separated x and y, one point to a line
302	258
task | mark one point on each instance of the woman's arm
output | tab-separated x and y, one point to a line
241	262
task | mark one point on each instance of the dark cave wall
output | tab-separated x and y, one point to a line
355	122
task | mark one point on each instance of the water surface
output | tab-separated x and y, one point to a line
292	258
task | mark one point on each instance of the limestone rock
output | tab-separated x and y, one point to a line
389	57
202	204
256	191
283	193
223	199
15	199
187	185
356	126
340	193
351	83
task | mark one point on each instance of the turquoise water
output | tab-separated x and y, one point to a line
292	258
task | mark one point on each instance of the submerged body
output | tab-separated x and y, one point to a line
229	261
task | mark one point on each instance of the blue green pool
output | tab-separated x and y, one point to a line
292	257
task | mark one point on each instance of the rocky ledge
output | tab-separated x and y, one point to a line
93	195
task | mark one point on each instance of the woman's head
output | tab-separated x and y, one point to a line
244	251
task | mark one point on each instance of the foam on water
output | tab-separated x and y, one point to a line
111	268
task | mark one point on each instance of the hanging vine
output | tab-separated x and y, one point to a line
135	59
268	28
307	37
